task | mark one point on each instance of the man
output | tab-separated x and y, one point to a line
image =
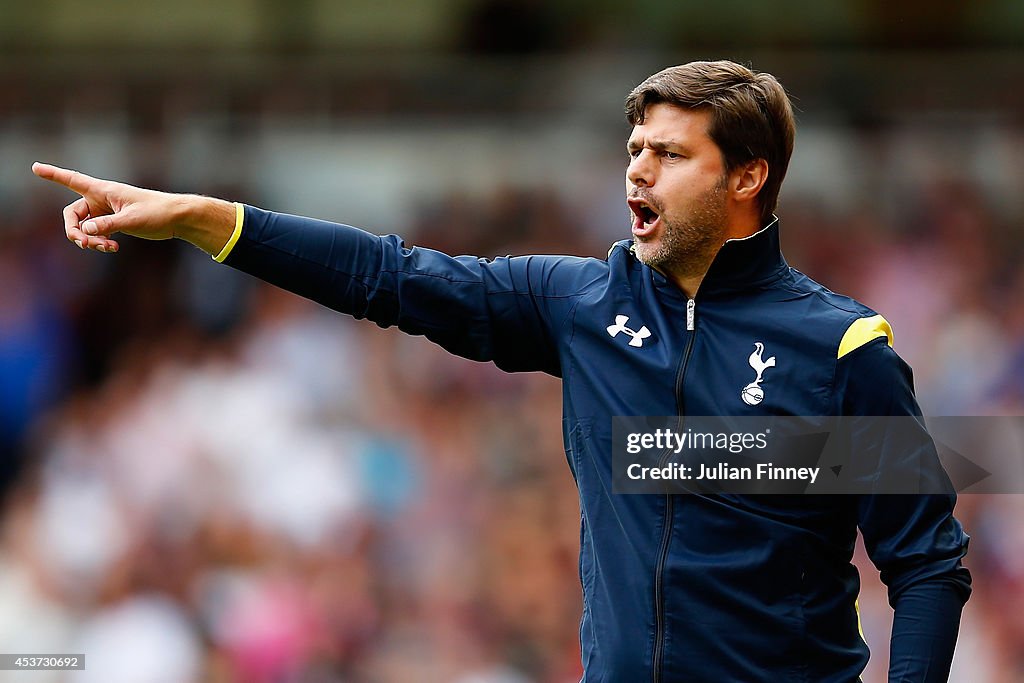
676	587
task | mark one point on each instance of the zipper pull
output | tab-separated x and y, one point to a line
689	315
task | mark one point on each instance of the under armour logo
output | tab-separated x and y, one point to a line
753	394
638	336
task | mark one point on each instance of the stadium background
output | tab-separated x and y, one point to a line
221	482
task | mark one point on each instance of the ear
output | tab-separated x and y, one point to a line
747	180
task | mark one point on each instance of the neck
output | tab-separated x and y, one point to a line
689	280
689	284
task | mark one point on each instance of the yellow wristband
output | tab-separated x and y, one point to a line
239	219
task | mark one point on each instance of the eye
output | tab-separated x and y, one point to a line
633	153
673	155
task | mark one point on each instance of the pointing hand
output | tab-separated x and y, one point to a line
106	207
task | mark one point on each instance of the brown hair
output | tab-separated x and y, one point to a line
751	116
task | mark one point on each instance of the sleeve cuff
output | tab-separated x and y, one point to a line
239	220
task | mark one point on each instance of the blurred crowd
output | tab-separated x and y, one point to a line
208	479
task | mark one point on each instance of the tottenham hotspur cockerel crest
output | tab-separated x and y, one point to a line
753	394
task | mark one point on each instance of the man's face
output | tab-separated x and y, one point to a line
676	187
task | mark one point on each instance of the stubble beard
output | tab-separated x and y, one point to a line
688	244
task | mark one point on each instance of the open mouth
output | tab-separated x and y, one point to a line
645	217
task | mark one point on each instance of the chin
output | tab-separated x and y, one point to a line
647	251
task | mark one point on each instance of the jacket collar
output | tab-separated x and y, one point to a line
741	263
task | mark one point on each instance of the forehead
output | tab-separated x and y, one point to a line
669	122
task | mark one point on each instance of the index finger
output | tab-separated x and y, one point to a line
73	180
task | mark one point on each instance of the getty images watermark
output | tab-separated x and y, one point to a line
816	455
667	441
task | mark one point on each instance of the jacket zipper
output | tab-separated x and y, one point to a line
666	536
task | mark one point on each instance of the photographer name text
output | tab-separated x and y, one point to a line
723	471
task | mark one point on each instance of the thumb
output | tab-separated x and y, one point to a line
105	225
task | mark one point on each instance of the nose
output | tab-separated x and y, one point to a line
640	171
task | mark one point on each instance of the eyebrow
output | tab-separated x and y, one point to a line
656	145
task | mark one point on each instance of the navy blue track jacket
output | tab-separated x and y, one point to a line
676	587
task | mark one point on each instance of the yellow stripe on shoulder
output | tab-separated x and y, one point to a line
235	234
863	330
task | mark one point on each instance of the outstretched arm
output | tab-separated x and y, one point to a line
512	311
106	207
